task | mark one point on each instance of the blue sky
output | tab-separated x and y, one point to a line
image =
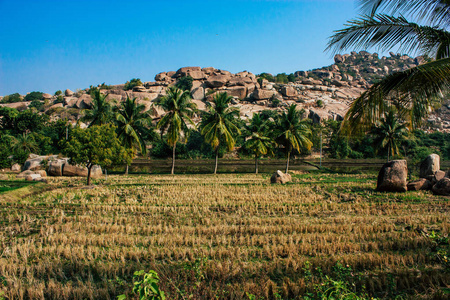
47	45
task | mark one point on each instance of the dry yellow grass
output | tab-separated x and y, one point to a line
217	236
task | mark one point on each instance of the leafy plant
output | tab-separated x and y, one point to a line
33	96
132	83
184	83
146	286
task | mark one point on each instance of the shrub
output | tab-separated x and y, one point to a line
33	96
59	99
132	83
58	92
36	104
185	83
12	98
319	103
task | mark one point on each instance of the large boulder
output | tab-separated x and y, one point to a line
33	177
198	93
288	91
55	167
35	162
237	91
217	81
68	93
260	94
442	187
24	174
71	170
422	184
438	175
392	177
430	165
280	177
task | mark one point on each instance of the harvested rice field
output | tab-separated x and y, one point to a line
224	237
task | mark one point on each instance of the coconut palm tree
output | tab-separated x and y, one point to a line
389	133
133	126
219	124
101	111
258	140
384	26
24	143
292	132
177	103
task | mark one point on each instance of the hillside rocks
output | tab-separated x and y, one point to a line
392	177
334	86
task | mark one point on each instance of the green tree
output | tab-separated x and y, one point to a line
33	96
413	91
185	83
389	133
96	145
292	132
219	124
12	98
133	126
132	83
177	103
101	111
258	140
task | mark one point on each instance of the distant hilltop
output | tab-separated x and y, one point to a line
324	93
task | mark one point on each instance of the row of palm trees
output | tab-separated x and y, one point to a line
220	125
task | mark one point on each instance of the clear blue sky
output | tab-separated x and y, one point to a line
47	45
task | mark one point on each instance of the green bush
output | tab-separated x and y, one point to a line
33	96
36	104
185	83
132	83
58	92
13	98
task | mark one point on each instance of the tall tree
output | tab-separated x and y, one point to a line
383	25
101	111
177	103
258	140
389	133
219	124
133	126
292	132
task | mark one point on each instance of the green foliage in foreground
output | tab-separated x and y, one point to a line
146	286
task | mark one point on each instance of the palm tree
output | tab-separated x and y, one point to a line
292	132
133	125
259	142
101	110
219	124
413	91
24	143
389	133
177	103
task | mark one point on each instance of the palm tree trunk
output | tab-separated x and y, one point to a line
217	158
126	170
256	164
388	155
173	159
287	163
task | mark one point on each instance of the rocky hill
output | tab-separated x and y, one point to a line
323	93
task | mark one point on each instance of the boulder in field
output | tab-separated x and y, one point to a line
33	177
442	187
392	177
16	167
438	175
80	171
24	174
55	167
280	177
430	165
422	184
